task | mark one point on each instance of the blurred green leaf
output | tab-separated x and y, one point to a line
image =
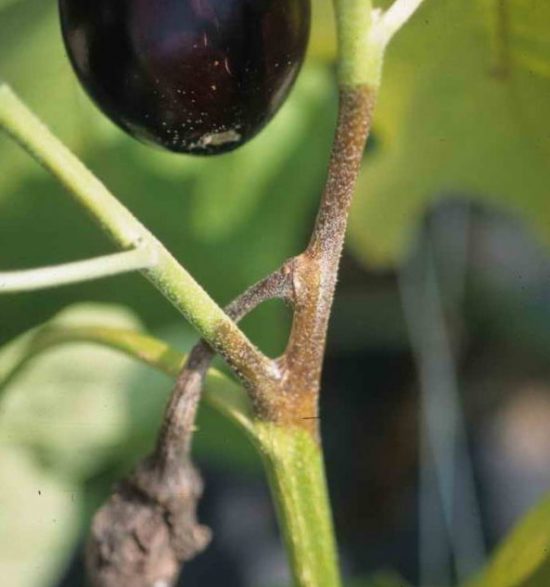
7	3
68	417
523	559
323	31
463	109
39	520
32	59
111	413
143	389
70	406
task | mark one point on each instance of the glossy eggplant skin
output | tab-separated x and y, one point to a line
193	76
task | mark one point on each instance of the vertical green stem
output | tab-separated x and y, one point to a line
294	464
354	22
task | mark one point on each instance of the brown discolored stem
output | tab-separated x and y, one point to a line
316	270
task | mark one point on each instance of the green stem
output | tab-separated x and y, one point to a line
76	272
294	464
354	23
168	276
363	36
395	18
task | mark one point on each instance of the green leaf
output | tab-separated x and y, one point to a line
69	406
225	414
72	411
62	418
7	3
39	520
523	559
322	45
112	412
32	59
463	109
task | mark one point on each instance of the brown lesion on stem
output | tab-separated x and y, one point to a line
291	396
317	270
148	528
295	398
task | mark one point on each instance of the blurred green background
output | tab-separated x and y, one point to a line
452	213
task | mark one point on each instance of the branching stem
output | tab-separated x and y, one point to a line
315	271
284	392
174	440
176	284
395	18
286	412
287	409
